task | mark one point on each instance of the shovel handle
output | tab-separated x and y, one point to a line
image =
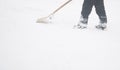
60	7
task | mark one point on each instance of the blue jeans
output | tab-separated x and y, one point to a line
99	7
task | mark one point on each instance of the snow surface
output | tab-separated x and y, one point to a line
27	45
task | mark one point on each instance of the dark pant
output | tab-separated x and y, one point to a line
99	7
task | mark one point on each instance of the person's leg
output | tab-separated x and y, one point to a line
86	10
100	10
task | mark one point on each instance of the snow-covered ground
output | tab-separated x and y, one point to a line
27	45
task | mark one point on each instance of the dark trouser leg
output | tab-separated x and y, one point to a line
86	9
100	10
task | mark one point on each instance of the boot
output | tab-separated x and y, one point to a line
101	26
82	23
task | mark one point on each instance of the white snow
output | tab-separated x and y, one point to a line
27	45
